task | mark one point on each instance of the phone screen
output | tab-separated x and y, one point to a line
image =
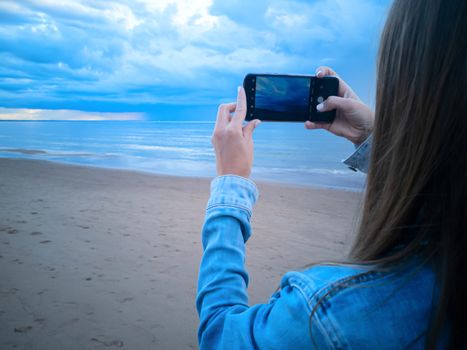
279	95
288	98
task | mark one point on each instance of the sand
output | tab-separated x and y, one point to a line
96	258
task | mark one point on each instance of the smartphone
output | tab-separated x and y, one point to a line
288	98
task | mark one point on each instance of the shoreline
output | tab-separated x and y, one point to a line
30	154
95	257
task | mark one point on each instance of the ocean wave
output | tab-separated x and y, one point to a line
55	153
317	171
176	149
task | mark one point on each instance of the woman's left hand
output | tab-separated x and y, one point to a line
233	142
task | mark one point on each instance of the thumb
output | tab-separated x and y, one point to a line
311	126
240	108
250	127
335	102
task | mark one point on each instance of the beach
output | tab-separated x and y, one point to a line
95	258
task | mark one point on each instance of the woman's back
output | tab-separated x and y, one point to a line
360	308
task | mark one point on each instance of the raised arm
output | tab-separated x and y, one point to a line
226	319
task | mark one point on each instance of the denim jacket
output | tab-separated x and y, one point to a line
323	307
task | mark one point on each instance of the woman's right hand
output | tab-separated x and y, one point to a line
354	119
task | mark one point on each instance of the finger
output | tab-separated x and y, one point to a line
240	108
344	89
334	102
310	125
313	126
223	115
250	127
324	71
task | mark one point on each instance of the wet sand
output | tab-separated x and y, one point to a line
96	258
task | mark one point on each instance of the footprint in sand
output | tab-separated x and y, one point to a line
84	227
114	343
22	329
40	321
34	213
45	241
12	231
124	300
36	233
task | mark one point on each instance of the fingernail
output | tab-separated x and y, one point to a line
238	89
318	73
257	123
320	106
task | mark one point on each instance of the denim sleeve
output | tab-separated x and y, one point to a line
226	319
360	158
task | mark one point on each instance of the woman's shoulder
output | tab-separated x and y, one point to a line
355	304
323	278
316	279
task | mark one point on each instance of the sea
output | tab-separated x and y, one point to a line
284	152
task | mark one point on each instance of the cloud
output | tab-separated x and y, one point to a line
63	114
100	54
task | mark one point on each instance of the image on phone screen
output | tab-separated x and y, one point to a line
276	96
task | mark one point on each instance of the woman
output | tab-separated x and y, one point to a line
404	283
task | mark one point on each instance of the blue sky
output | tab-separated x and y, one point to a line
172	59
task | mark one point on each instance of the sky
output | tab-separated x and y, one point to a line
172	59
